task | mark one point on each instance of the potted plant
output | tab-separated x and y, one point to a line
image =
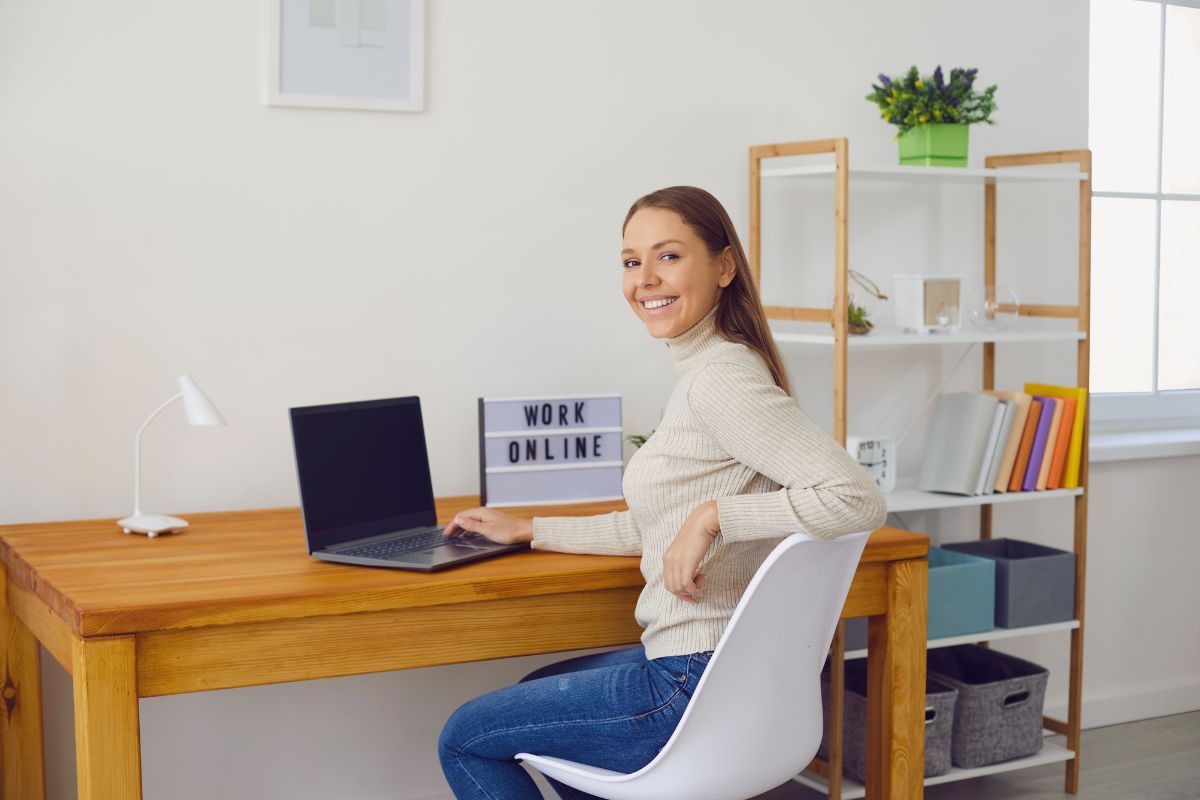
933	114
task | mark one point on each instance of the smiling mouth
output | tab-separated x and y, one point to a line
655	305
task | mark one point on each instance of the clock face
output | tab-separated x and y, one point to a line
877	458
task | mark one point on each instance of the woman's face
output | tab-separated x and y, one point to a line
664	259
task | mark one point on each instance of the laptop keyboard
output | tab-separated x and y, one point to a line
407	544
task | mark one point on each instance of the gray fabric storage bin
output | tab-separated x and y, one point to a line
1035	584
939	719
998	714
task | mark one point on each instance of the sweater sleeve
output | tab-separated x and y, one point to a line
825	493
612	534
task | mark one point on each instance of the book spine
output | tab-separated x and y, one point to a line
1039	444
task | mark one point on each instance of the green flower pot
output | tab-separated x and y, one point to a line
942	144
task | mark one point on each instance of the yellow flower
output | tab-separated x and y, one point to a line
919	85
924	118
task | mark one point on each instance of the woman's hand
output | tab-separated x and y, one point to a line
495	525
683	557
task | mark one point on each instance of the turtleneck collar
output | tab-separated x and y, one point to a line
696	339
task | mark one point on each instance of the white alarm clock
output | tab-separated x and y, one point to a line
877	455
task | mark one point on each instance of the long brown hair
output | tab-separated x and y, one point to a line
740	316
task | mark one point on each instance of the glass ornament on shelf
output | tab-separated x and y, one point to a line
859	310
992	307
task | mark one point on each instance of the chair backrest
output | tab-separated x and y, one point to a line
754	720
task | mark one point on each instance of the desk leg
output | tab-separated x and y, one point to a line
23	775
896	687
108	752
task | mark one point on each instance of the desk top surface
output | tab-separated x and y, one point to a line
249	566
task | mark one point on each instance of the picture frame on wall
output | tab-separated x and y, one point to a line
350	54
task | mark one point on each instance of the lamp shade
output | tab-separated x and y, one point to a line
200	410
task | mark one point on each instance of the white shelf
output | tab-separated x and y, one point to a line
906	497
821	333
972	174
1049	754
993	635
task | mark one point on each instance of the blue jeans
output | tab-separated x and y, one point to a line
614	710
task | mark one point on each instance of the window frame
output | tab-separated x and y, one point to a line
1174	407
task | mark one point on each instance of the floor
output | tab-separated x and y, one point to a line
1155	759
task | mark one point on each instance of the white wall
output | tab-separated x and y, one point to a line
289	256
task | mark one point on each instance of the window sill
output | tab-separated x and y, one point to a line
1112	443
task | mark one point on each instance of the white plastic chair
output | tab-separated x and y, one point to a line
754	720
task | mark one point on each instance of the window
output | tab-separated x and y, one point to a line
1144	132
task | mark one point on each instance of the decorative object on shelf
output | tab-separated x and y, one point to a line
350	54
549	449
877	455
928	303
637	440
857	316
991	307
200	411
933	114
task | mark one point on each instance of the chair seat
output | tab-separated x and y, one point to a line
555	766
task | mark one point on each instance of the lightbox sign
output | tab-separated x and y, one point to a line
546	450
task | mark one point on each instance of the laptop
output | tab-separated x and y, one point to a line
365	490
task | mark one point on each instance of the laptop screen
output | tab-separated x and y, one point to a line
363	469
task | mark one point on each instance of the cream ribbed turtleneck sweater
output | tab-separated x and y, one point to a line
728	433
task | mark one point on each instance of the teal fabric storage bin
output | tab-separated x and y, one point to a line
962	598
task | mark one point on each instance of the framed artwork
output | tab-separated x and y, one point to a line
357	54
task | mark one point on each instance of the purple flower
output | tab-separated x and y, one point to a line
937	78
887	84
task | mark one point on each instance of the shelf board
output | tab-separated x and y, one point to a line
969	174
1049	754
820	333
986	636
906	497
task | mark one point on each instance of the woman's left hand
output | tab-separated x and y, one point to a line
683	557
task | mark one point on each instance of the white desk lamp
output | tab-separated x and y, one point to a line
200	411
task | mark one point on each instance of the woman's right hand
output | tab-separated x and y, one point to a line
495	525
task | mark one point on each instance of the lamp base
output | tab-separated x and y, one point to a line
151	524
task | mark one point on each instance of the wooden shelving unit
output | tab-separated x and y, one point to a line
808	325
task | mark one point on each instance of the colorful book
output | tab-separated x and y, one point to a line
1023	450
1060	447
1079	393
1039	443
1051	440
1020	401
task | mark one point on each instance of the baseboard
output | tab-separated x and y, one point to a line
1114	708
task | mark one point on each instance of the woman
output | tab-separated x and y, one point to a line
733	467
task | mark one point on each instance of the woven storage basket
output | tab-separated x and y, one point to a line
998	714
939	719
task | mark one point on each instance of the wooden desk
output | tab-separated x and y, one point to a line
236	600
